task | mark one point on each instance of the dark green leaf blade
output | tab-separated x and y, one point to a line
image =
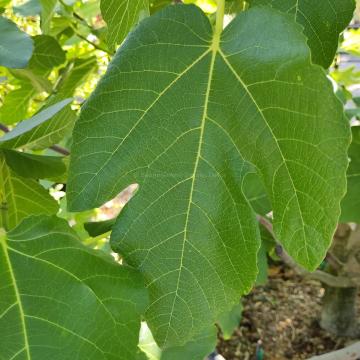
34	166
47	54
203	108
21	197
15	46
323	21
92	308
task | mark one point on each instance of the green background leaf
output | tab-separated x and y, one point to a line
91	310
350	205
47	12
21	197
15	46
34	166
121	16
31	130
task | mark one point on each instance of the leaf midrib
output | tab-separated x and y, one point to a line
214	48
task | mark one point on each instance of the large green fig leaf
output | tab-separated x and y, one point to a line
61	300
350	205
179	112
121	16
15	46
322	20
21	197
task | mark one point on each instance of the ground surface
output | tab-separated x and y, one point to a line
282	315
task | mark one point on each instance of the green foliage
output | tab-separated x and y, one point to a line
21	197
121	16
29	8
34	166
220	128
15	45
16	103
92	308
350	206
47	12
33	131
230	320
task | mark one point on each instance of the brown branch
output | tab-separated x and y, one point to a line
55	148
326	278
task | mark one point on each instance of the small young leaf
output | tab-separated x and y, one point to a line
16	46
60	299
323	21
121	16
255	192
95	229
29	131
230	320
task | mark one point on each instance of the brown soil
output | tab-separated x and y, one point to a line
281	319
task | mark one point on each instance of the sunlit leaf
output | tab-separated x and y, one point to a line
31	130
16	102
47	54
121	16
47	12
